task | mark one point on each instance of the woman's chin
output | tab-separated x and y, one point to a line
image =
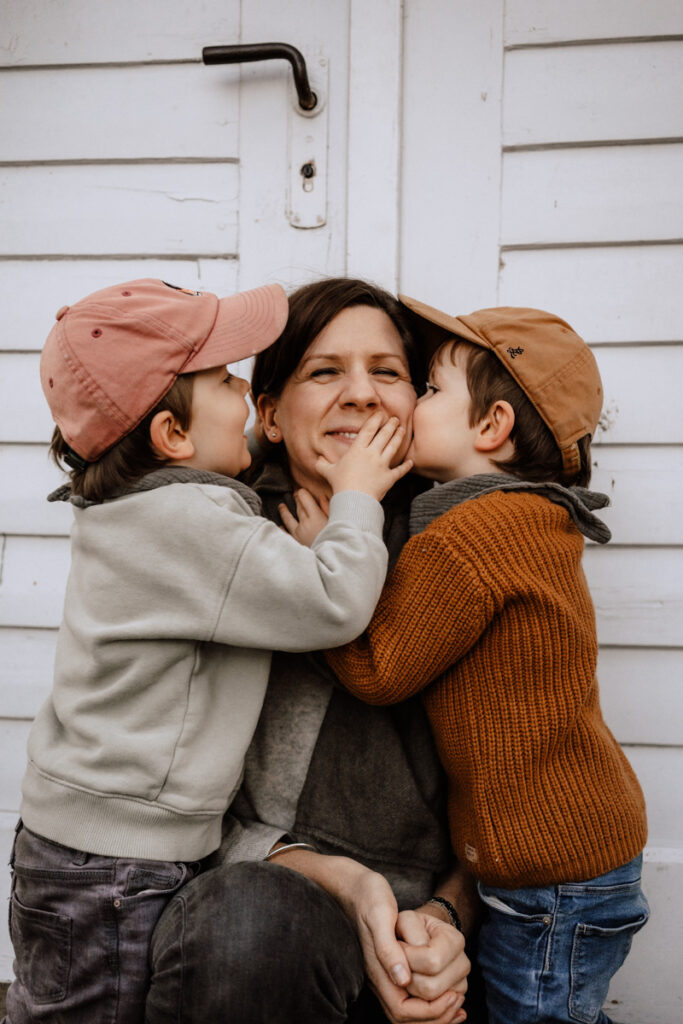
335	448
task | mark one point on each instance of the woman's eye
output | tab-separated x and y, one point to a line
324	371
385	371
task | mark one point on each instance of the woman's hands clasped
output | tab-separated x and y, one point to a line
415	963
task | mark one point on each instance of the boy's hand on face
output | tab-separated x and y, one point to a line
366	466
310	517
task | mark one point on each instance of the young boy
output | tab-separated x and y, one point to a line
177	593
488	613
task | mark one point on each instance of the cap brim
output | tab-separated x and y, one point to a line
245	324
435	325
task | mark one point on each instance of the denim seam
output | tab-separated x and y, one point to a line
181	943
573	1010
547	965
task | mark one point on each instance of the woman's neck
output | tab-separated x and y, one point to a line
315	485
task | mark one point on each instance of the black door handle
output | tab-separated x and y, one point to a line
247	52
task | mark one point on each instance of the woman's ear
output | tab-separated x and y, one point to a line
169	439
494	430
266	407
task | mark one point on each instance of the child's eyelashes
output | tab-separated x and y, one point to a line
429	387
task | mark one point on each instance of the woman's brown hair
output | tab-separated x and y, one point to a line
130	458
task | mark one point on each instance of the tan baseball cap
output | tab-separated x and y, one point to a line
554	366
111	357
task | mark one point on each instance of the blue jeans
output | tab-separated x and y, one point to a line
80	926
548	954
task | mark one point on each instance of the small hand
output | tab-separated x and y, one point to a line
366	466
310	517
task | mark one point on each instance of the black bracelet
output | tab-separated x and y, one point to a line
450	910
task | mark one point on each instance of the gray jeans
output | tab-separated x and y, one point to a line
256	943
81	926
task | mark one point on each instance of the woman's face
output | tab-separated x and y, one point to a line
355	366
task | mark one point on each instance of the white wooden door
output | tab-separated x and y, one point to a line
121	156
543	167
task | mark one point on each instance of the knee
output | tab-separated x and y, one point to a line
245	909
250	927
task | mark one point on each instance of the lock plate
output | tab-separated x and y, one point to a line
307	134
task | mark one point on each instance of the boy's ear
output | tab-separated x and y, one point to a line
266	407
494	430
168	437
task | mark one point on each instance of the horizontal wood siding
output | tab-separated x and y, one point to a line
173	111
80	32
542	22
105	209
605	93
604	194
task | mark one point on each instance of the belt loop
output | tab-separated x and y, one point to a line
12	857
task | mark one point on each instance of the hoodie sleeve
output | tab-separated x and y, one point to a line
284	596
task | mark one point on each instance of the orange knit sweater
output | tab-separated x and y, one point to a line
488	612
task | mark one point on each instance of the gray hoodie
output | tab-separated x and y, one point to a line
177	594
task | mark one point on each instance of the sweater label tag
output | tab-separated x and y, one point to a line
471	853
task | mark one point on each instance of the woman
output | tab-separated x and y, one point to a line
294	938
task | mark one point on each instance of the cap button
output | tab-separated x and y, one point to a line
61	311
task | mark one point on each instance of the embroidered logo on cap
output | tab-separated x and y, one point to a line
514	352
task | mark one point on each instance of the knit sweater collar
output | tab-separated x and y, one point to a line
578	501
162	478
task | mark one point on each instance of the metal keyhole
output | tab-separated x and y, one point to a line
308	173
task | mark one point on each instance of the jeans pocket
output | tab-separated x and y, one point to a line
522	904
165	878
42	943
598	951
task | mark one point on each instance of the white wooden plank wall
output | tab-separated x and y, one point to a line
119	159
591	227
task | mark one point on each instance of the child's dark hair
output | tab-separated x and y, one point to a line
537	456
130	458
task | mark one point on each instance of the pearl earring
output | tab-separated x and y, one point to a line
273	433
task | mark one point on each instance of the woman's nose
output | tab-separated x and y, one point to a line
359	389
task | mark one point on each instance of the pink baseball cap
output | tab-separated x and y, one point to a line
111	358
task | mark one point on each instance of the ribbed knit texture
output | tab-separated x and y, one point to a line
488	612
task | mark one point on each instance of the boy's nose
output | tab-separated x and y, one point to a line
244	386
